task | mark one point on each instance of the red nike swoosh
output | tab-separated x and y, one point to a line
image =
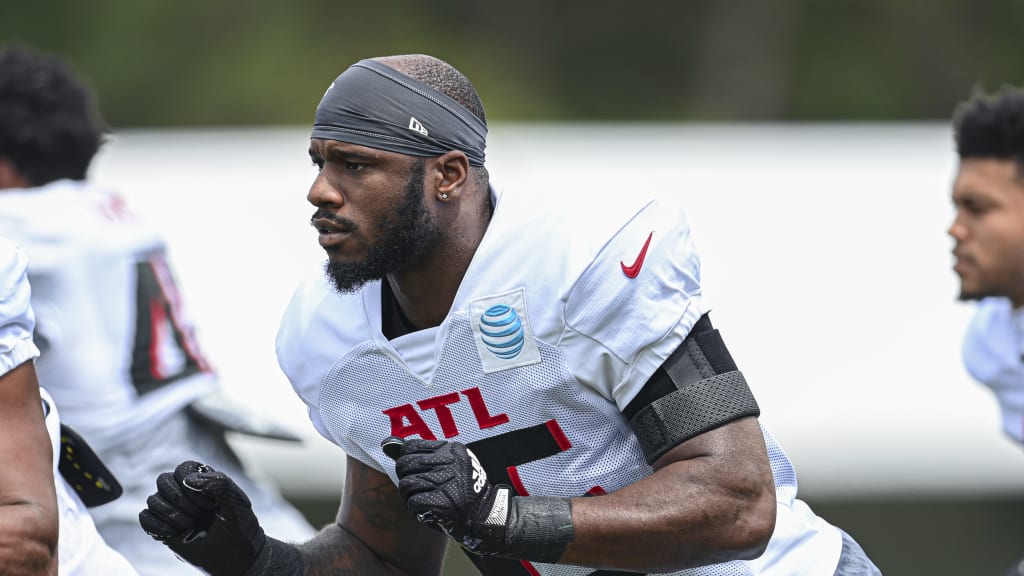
634	270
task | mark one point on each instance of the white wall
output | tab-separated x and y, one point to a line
824	253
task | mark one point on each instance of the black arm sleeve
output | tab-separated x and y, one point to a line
698	388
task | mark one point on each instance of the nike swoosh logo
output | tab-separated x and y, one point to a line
634	270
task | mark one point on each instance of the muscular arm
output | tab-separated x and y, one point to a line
711	499
28	501
374	533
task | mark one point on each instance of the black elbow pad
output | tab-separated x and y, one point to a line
698	388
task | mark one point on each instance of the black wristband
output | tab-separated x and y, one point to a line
277	558
539	528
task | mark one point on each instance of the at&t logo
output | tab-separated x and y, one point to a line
502	331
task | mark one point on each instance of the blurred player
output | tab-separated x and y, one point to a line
988	234
988	231
567	406
36	503
120	355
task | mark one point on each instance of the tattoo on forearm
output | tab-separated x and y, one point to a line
334	552
376	502
374	534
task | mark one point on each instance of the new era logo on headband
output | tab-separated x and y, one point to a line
414	124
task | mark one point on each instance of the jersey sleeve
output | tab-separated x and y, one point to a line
301	345
16	318
634	304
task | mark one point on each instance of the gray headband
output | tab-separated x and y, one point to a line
373	105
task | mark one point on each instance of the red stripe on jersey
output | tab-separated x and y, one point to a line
558	435
596	491
169	288
517	482
156	313
529	568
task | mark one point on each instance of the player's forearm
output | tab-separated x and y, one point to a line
335	552
375	530
28	540
28	500
651	533
687	515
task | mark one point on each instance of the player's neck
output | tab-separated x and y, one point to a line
426	291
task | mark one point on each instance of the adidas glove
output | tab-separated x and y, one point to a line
445	486
207	520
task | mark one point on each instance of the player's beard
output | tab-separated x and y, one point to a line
975	294
977	282
402	238
970	294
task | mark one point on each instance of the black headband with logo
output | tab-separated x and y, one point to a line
373	105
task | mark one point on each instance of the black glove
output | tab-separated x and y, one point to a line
445	486
206	519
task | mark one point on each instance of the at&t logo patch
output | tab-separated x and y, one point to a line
502	332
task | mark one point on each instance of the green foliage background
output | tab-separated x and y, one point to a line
260	62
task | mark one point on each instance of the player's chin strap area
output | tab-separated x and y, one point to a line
697	389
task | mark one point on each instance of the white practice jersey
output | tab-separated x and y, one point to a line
561	318
119	356
81	550
993	354
16	318
126	356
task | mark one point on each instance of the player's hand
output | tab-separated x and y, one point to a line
445	486
205	518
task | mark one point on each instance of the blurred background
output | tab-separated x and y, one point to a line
258	62
810	139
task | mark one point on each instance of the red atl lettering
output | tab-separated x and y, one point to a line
439	404
483	416
407	421
399	415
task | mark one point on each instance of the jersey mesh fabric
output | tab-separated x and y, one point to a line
603	452
371	377
782	468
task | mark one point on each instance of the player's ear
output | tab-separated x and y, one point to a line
451	172
10	176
